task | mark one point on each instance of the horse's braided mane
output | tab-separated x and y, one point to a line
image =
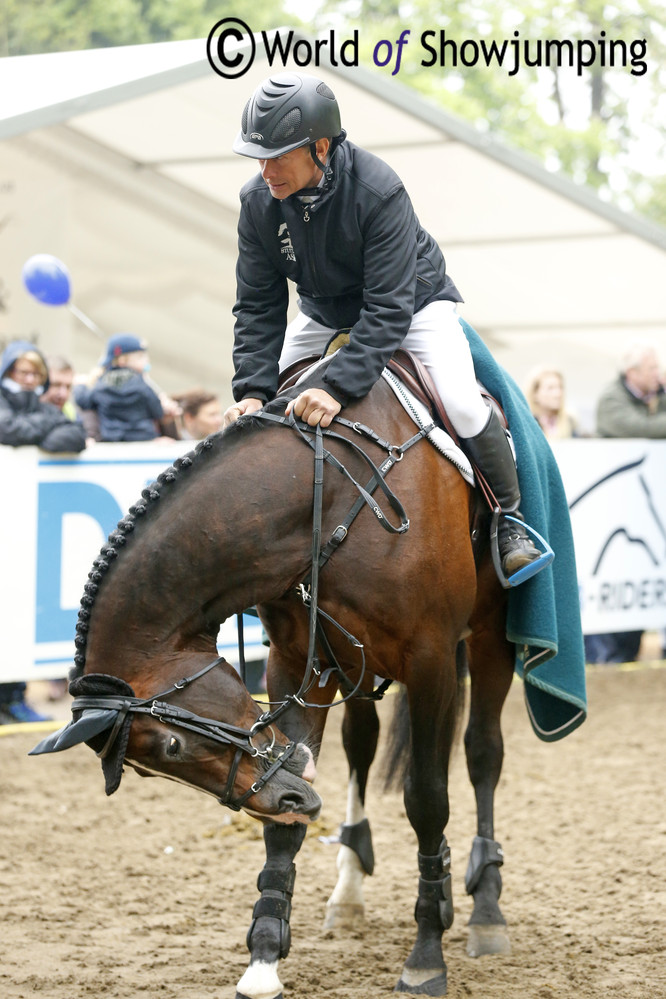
119	537
149	496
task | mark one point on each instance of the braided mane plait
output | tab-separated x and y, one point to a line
119	537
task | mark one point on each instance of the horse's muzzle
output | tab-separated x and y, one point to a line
289	795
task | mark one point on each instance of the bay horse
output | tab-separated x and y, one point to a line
231	526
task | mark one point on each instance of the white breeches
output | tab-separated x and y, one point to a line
436	338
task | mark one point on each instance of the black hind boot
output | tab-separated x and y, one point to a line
491	452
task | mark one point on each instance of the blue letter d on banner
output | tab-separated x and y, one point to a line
53	622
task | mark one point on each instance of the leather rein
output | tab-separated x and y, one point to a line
308	589
242	739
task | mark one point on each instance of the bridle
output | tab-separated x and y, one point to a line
308	589
218	731
125	706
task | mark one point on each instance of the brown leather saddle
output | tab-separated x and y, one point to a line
409	369
414	375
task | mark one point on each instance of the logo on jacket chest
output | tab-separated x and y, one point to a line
287	248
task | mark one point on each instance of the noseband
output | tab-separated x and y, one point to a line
217	731
111	711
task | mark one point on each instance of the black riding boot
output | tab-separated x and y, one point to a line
490	450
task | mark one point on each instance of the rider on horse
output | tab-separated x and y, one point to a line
337	221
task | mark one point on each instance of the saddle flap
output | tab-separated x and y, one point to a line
417	378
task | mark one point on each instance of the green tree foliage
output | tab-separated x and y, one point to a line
588	122
64	25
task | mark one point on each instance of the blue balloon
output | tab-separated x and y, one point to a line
47	279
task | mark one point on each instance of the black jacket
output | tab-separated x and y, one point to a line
359	258
26	420
127	407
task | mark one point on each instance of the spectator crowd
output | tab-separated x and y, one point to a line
44	403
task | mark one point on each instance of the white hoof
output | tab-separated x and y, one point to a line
488	940
343	916
260	981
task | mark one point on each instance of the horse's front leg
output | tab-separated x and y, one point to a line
433	722
269	936
491	673
360	731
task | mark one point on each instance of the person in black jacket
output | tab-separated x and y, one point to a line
127	407
337	221
26	420
23	418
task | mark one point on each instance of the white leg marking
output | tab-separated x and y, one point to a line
355	809
260	981
349	888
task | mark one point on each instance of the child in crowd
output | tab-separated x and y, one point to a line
127	407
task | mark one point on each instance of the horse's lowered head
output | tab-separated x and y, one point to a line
200	728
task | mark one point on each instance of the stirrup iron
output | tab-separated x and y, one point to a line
516	578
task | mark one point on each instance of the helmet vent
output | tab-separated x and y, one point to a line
245	117
286	126
325	91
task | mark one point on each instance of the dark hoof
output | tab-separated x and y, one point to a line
432	987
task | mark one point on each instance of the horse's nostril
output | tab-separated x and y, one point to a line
308	803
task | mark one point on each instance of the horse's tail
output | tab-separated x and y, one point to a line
398	747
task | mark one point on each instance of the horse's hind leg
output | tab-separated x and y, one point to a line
491	672
360	731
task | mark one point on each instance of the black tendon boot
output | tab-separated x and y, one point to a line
491	452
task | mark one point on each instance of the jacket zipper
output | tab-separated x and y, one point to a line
306	218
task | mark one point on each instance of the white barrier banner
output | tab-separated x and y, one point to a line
616	491
55	514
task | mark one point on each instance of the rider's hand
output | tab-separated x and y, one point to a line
245	406
314	406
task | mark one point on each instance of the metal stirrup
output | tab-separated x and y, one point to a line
516	578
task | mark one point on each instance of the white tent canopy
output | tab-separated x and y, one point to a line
119	162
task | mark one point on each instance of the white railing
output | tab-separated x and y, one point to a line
56	511
55	514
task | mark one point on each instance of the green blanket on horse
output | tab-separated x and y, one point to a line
543	618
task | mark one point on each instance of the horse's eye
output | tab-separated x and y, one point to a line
173	747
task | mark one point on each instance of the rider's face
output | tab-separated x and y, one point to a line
293	171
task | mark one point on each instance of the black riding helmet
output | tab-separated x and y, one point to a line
288	111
